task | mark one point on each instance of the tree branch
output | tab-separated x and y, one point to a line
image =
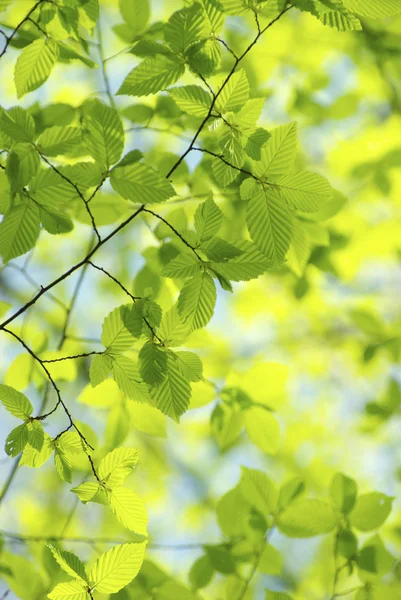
20	24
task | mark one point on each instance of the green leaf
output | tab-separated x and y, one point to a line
279	152
55	222
234	94
197	300
59	140
136	14
255	143
192	99
185	27
117	567
271	595
172	396
86	491
152	363
220	250
117	465
221	559
305	191
172	329
19	230
34	65
121	327
50	188
290	490
226	425
371	511
34	458
63	465
129	509
183	265
343	491
126	375
70	563
103	133
269	223
258	490
377	9
16	440
271	561
232	513
190	365
339	19
263	429
18	125
15	402
374	560
71	590
201	573
307	518
151	76
140	183
36	435
248	265
208	219
100	369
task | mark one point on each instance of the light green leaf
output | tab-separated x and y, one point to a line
343	491
71	590
151	76
15	402
173	330
172	396
234	94
377	9
232	513
19	230
121	327
136	14
197	300
126	375
271	561
185	27
36	435
86	491
371	511
305	191
300	248
34	65
18	125
70	563
258	490
59	140
248	265
374	560
100	369
269	223
183	265
190	365
152	363
290	490
263	429
55	222
226	424
141	184
192	99
271	595
129	509
279	152
208	219
307	518
339	19
16	440
117	567
63	465
33	458
50	188
117	465
103	134
220	250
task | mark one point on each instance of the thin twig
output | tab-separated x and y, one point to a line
173	229
20	24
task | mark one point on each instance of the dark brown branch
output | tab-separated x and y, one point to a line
226	162
20	24
227	47
173	229
85	355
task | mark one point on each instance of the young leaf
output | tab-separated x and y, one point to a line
100	369
19	230
86	491
269	223
343	491
103	133
374	8
371	511
121	327
208	219
183	265
16	440
258	490
117	567
136	14
151	76
249	264
263	429
36	435
235	93
190	365
63	465
192	99
173	394
117	465
185	27
70	590
59	140
140	183
15	402
197	300
152	363
278	154
305	191
70	563
307	518
34	65
129	509
126	375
